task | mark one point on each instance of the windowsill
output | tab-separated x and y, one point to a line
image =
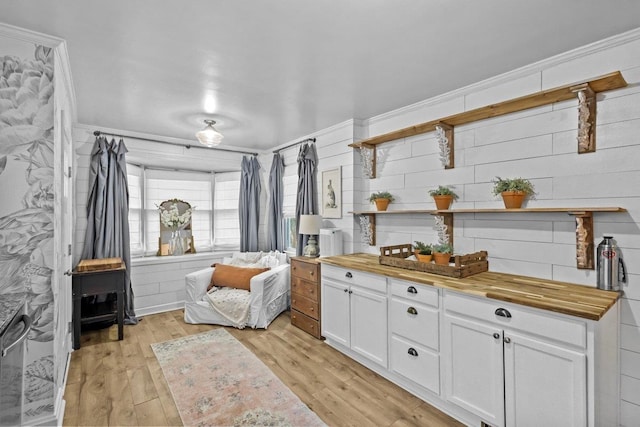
170	259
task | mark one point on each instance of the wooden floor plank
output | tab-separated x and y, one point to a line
121	382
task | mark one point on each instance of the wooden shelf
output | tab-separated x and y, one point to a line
583	217
607	82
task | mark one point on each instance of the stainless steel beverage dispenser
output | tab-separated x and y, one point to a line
610	267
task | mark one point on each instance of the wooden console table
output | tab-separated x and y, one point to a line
97	282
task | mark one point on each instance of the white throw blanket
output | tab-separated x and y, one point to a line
232	304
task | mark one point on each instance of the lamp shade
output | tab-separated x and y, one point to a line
209	136
310	224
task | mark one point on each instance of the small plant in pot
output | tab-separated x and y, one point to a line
381	199
422	251
442	253
443	196
513	191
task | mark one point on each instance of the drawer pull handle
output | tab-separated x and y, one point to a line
496	335
412	310
348	275
412	352
412	290
503	312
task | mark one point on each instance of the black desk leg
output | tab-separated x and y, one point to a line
120	307
77	304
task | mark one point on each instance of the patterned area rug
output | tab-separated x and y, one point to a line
215	380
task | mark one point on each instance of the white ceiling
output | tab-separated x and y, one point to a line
272	71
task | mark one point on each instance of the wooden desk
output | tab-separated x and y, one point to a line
101	282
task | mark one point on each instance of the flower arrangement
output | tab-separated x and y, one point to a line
171	217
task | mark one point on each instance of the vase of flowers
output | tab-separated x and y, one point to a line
175	221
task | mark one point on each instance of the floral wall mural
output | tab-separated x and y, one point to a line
27	208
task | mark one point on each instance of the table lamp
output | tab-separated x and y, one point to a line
310	225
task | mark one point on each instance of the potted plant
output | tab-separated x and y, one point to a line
443	196
442	253
381	199
422	251
513	191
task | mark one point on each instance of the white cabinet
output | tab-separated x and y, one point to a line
414	329
515	366
557	384
355	306
473	368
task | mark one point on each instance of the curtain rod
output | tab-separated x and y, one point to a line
294	144
98	133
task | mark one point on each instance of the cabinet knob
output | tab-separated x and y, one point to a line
68	273
350	292
346	290
412	352
348	275
496	335
503	312
412	290
412	310
507	340
311	273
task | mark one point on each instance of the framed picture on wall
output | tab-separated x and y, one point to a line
331	193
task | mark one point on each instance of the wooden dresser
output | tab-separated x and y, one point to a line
305	294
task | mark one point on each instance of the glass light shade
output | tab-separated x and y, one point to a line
310	224
209	136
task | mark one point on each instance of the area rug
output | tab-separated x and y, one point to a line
217	381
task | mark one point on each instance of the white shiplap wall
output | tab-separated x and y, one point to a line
539	144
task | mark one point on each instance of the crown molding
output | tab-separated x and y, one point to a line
536	67
23	34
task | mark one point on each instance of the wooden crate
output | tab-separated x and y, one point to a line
99	264
464	265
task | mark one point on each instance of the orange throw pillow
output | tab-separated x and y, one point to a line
234	277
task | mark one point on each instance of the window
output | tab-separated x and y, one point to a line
150	187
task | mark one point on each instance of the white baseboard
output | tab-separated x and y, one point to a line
162	308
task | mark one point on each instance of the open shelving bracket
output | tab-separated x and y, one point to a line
444	136
368	228
584	239
368	157
586	118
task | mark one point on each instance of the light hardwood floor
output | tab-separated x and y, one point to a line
113	382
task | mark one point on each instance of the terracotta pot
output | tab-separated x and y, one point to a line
382	204
513	199
441	258
443	202
424	258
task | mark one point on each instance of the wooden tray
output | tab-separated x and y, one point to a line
464	265
99	264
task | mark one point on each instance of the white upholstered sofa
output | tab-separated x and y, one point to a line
270	291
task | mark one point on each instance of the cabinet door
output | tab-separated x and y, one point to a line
369	324
335	311
472	358
545	384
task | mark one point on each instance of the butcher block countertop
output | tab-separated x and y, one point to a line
560	297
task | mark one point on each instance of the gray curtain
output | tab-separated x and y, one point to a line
275	226
307	198
107	233
249	206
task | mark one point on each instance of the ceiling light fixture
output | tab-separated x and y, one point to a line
209	136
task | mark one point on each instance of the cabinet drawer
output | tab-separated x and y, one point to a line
422	366
304	270
305	288
356	277
534	321
421	327
304	305
414	292
306	323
